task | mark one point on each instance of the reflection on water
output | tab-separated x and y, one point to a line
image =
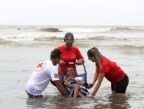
59	102
21	49
55	102
112	102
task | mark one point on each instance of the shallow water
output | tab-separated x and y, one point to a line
17	64
19	58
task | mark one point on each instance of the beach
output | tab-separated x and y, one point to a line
23	47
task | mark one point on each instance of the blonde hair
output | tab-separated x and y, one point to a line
94	52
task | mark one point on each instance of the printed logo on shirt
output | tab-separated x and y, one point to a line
73	55
69	37
40	66
56	75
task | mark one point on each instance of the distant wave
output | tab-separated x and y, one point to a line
106	38
80	42
1	28
50	30
48	38
125	36
82	38
44	37
118	29
129	46
5	42
1	40
93	29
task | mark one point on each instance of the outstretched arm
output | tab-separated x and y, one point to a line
98	84
95	75
60	87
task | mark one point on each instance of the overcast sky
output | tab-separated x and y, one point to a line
72	12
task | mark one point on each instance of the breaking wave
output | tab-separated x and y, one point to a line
121	36
125	29
50	30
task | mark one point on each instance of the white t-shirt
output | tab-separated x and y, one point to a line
41	77
80	78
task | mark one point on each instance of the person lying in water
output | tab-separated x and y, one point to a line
74	85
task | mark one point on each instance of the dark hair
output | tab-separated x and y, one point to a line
69	38
55	54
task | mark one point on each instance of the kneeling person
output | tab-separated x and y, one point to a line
44	73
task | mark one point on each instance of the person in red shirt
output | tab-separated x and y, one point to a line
71	55
109	69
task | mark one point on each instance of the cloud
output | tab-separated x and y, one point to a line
72	12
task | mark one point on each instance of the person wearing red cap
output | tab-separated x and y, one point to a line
71	55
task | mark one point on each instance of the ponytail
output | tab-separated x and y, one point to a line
94	52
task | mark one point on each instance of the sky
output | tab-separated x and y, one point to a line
72	12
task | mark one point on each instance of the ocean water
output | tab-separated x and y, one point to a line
22	47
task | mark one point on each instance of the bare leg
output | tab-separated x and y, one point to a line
76	90
113	92
80	94
119	94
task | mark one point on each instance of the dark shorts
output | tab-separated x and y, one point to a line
33	96
121	86
84	91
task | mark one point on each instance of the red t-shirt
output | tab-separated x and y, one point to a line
112	71
69	55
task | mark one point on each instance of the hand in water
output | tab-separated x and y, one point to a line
90	95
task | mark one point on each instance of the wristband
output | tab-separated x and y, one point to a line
93	94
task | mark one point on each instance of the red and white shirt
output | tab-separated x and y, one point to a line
41	76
